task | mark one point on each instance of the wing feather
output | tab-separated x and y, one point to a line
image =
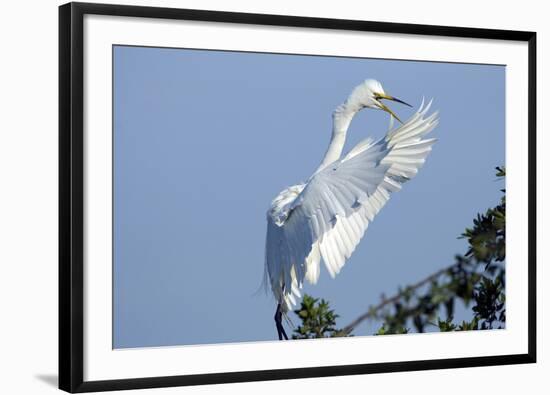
325	218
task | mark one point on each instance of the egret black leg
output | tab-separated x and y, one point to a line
279	323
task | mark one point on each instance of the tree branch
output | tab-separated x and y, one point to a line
371	311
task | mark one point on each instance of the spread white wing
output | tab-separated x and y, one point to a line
326	217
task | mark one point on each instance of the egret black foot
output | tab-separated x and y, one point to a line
279	323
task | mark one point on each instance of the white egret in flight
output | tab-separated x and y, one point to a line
325	217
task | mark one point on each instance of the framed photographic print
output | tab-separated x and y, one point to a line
251	197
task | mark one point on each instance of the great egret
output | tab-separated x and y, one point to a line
325	217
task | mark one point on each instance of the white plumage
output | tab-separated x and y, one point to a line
325	218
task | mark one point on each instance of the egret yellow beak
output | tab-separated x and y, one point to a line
386	108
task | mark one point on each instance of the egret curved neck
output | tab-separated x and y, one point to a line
341	119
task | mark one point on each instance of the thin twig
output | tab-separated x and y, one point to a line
386	301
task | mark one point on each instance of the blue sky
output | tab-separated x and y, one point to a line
204	140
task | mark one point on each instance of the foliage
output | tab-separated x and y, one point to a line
318	320
476	279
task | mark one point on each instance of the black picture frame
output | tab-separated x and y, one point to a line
71	195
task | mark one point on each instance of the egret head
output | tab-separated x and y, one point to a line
369	94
